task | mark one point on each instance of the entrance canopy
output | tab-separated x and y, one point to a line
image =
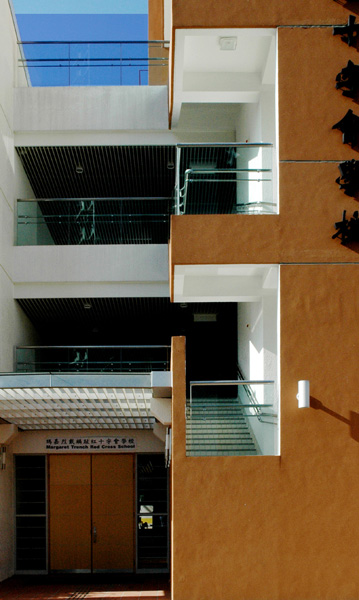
76	400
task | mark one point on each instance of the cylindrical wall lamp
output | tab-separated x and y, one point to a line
303	395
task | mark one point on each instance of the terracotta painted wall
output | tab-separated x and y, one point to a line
257	13
282	528
309	154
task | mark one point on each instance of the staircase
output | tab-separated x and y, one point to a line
218	428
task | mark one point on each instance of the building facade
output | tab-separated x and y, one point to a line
174	261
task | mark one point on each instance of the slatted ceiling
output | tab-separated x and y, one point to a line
56	311
77	408
108	171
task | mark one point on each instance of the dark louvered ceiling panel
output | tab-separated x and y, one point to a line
50	311
108	171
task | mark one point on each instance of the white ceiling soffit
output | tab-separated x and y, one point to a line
204	73
59	406
224	283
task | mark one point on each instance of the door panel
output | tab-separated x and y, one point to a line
88	494
112	512
70	512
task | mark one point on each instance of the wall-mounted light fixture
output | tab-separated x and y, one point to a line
303	395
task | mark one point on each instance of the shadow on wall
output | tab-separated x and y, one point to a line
352	5
353	421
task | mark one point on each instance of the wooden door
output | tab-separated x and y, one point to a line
91	512
70	512
113	512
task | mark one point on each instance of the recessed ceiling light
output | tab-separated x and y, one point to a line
228	43
79	169
87	305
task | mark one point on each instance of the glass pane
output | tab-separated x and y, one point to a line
152	512
30	475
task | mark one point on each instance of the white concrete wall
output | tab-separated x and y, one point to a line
14	326
91	108
257	358
91	271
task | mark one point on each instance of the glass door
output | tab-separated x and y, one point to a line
152	514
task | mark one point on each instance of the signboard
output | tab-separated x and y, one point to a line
91	444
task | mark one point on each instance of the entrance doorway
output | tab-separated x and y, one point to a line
91	513
98	513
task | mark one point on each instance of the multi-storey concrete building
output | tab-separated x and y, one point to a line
168	275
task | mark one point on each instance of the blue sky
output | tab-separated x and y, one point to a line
69	7
77	20
82	20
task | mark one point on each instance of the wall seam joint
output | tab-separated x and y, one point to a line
6	273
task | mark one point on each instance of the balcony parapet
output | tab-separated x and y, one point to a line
85	63
225	179
93	221
125	359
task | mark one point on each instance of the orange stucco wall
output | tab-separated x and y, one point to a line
310	200
189	14
282	528
258	13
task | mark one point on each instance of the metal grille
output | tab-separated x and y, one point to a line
105	171
77	408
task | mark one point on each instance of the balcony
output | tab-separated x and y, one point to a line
93	221
231	418
114	63
85	387
92	359
225	179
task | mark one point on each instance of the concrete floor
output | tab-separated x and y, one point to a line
75	587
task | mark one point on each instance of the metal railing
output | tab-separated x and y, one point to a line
92	359
219	423
249	395
90	221
236	399
52	63
224	179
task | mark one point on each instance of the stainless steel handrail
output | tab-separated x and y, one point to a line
70	62
97	347
225	144
244	382
231	381
181	192
56	43
188	172
114	199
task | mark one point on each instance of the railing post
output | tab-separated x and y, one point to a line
177	188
